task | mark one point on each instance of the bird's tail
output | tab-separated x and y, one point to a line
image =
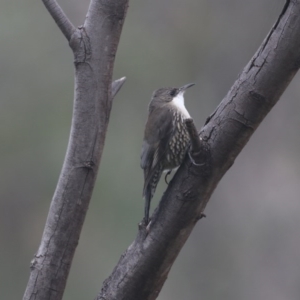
149	190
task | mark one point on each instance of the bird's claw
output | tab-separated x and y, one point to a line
193	161
166	177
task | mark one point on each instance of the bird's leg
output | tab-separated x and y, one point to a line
166	177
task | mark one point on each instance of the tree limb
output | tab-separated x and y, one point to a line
94	46
143	268
60	18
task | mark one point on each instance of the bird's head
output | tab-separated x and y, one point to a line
166	95
169	95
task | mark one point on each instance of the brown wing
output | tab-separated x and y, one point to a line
156	139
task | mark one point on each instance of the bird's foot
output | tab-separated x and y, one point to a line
143	225
201	216
148	226
166	177
193	161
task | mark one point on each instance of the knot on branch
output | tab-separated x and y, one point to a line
81	46
257	96
89	164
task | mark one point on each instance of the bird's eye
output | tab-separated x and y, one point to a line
173	92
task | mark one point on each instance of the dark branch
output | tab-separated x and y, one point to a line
60	18
144	267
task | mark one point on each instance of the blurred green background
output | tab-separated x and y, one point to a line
247	247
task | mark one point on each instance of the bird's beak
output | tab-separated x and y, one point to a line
183	88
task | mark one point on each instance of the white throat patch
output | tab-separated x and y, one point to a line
178	101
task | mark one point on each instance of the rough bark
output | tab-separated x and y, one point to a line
144	267
94	46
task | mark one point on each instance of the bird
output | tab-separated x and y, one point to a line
166	139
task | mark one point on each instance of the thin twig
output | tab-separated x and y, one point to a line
116	86
60	18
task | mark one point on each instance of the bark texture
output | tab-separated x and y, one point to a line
94	46
144	267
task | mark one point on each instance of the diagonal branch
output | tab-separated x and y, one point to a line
144	267
60	18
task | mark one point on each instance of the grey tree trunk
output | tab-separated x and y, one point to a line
94	46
